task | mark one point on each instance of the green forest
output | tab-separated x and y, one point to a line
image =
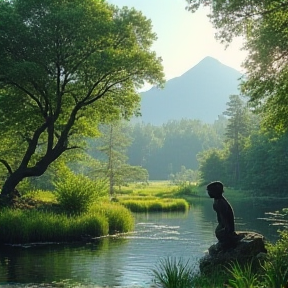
70	76
71	105
236	148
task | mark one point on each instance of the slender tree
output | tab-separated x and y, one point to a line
236	131
65	65
113	145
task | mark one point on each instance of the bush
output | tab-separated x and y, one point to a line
75	193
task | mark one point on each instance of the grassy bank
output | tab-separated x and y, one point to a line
157	196
156	205
20	226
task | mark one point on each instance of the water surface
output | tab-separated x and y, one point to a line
127	260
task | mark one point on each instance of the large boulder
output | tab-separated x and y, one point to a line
249	248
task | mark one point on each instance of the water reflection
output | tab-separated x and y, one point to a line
127	260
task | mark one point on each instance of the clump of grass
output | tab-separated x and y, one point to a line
40	195
173	273
120	218
243	276
217	278
26	226
276	265
156	205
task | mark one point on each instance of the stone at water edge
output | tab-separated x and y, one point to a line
250	247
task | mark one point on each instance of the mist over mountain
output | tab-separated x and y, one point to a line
200	93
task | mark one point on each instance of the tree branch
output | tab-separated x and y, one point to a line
8	167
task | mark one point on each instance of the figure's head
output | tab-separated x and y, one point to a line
215	189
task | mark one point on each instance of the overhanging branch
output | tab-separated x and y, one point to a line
8	167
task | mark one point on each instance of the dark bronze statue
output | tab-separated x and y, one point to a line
225	231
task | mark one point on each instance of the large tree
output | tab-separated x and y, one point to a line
263	26
65	65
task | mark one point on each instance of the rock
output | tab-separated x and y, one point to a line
250	248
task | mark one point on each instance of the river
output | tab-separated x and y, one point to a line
127	260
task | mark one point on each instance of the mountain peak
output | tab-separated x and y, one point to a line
200	93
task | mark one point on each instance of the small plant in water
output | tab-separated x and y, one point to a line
173	273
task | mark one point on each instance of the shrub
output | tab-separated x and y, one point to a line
75	193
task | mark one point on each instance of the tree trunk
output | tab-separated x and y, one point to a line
10	184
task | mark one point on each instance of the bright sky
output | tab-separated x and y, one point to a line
184	39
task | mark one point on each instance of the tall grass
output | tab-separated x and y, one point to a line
120	218
243	276
173	273
276	265
156	205
26	226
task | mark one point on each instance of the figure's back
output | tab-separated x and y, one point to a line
225	213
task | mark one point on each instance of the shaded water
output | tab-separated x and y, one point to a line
127	260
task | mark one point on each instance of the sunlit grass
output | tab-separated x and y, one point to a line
173	273
243	276
156	205
26	226
153	188
120	218
41	195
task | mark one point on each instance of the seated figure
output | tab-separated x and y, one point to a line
225	231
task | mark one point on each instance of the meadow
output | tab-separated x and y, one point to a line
81	212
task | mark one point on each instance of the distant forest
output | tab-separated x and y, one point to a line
235	149
164	149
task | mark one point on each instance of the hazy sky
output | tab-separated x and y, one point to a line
184	39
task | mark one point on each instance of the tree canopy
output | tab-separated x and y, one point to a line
64	66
